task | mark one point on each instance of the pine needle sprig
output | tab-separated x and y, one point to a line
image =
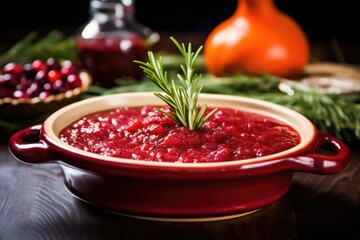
330	113
54	44
182	97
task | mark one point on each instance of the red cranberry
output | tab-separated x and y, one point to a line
10	79
53	76
23	84
41	77
69	68
21	94
58	86
13	68
44	94
34	89
53	64
38	65
74	81
28	70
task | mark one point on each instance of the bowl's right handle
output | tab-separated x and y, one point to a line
320	162
27	146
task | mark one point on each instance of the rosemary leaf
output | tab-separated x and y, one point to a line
182	97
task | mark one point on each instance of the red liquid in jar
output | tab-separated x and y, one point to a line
109	58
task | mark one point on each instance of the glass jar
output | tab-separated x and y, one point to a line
111	40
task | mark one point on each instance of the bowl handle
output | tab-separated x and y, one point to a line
27	146
324	162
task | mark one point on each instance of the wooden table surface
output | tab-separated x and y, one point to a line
34	204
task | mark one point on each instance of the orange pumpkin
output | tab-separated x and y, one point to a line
258	38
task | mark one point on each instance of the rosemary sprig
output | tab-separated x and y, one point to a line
182	98
330	113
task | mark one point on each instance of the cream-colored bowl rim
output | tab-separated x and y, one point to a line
67	115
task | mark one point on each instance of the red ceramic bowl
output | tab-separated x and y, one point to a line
178	191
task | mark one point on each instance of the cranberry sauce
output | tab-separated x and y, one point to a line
143	133
110	58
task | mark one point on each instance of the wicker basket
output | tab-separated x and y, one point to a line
25	109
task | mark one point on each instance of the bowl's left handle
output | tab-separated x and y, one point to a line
27	146
324	162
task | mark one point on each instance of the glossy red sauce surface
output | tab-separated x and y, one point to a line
143	133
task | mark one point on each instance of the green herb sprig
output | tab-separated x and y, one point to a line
183	97
54	44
